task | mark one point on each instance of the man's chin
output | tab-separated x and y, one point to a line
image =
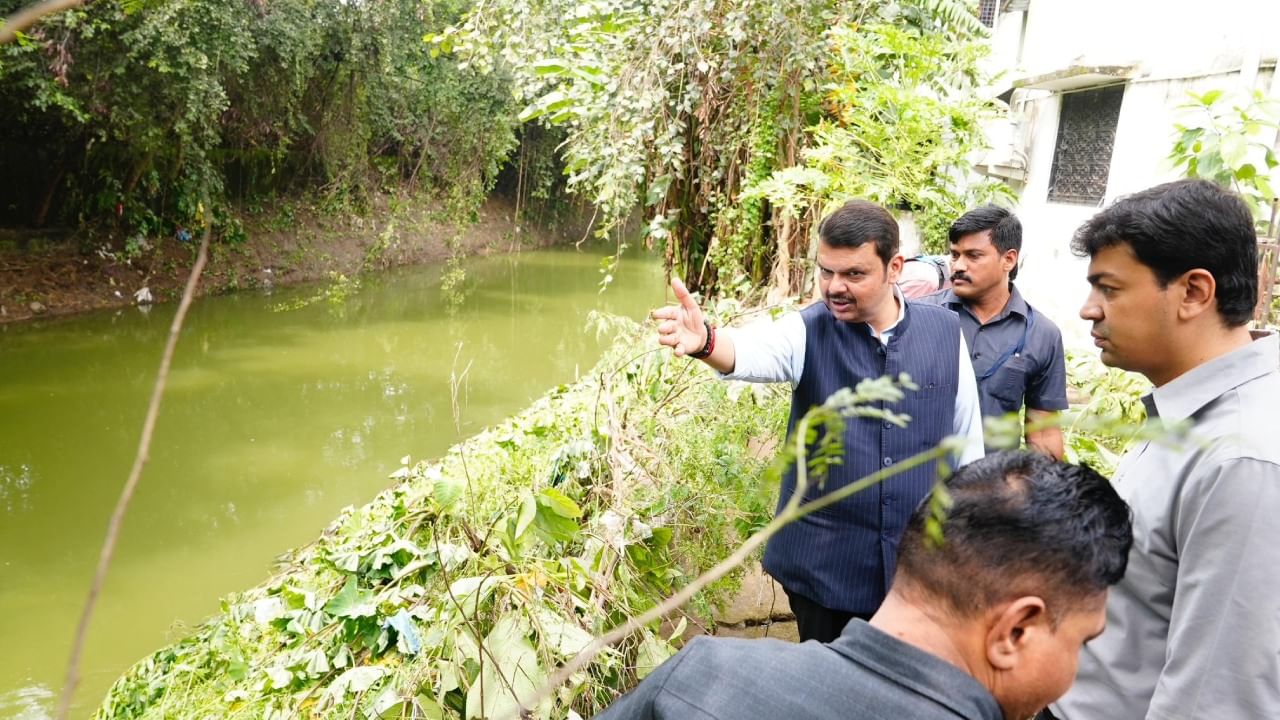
1109	358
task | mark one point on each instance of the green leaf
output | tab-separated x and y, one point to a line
511	677
559	503
427	708
548	67
554	527
389	705
351	603
528	510
471	592
1233	149
657	189
447	490
354	681
1209	98
1210	165
652	653
317	663
559	633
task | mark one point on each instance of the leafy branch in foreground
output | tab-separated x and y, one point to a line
821	428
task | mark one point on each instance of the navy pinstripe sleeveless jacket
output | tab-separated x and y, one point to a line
843	556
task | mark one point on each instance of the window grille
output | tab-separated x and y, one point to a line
987	10
1086	137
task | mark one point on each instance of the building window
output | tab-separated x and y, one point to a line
1086	136
987	10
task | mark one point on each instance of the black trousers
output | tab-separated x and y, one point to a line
1046	715
816	622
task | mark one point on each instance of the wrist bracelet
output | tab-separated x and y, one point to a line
709	346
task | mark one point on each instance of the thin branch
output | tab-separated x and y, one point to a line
792	512
30	15
126	494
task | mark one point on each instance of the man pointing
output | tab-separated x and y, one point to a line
836	564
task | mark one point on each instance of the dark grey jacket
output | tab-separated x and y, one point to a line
864	675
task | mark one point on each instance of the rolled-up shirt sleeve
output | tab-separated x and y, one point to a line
768	351
1223	654
968	419
1047	388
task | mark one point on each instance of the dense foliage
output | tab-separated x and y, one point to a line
1229	139
128	111
455	593
1113	417
734	124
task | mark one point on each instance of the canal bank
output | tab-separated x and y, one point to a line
60	272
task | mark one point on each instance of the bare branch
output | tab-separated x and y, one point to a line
32	14
126	494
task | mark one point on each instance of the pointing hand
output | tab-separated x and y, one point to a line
681	326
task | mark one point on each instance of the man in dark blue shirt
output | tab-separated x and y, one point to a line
1017	352
986	626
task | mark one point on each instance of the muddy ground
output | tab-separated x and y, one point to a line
59	272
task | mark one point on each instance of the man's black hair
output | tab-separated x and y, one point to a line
858	222
1006	230
1021	523
1181	226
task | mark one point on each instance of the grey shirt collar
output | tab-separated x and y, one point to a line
1186	394
923	672
1015	305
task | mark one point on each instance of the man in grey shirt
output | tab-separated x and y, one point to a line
1017	352
986	626
1194	628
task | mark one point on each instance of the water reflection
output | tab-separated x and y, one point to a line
27	703
15	488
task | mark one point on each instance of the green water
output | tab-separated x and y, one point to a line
272	422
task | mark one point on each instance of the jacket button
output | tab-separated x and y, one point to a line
887	425
888	461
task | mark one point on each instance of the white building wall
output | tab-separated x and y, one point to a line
1176	46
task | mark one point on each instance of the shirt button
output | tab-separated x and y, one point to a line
977	355
888	461
886	501
887	425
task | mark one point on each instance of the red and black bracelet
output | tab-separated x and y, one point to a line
710	346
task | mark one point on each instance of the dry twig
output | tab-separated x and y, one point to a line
32	14
126	494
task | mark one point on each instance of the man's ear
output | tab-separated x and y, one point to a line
894	268
1009	260
1015	628
1199	293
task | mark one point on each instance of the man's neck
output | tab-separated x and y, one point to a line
991	303
887	316
1201	348
916	625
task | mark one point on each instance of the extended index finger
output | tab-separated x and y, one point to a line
683	297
